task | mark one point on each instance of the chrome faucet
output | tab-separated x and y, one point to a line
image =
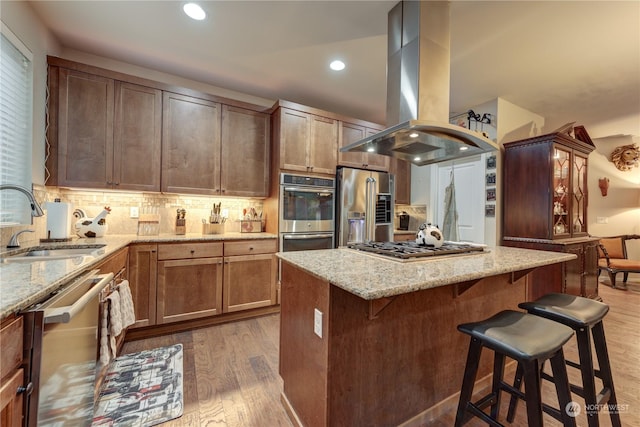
36	210
13	242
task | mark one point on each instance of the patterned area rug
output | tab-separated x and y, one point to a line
141	389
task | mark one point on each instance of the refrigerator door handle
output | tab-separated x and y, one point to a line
370	217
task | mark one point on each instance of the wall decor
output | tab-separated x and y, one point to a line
626	157
491	194
489	210
603	183
491	162
491	178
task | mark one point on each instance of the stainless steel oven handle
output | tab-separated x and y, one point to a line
306	236
65	314
309	190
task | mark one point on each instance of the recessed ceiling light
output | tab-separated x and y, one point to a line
371	149
337	65
194	11
413	135
464	148
416	159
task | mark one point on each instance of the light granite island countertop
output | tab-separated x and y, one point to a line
371	276
25	283
365	340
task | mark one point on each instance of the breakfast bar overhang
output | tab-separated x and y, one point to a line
367	341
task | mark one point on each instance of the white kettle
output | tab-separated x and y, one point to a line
429	235
91	227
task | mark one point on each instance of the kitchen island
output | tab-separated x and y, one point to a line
370	341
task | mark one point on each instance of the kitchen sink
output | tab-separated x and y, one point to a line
46	254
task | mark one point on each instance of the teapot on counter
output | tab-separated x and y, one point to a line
429	235
91	227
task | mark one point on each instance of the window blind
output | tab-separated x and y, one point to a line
15	128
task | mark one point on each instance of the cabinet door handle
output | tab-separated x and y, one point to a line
223	190
250	248
25	389
193	251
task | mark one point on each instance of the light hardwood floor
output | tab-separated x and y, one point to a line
231	370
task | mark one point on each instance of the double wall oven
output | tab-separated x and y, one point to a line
307	208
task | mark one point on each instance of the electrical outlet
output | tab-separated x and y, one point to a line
133	212
317	322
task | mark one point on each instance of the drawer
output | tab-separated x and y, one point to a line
190	250
250	247
11	336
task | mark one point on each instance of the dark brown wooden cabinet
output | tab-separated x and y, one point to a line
12	374
350	133
545	208
190	145
189	281
137	134
250	269
104	127
102	124
401	169
142	271
305	142
244	164
85	129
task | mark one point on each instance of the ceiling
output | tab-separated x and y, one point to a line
568	61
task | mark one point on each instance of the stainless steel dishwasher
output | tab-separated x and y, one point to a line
62	335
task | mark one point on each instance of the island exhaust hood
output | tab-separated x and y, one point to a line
418	81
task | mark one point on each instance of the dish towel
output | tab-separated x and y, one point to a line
105	355
126	304
115	320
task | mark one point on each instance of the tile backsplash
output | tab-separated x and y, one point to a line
119	221
417	215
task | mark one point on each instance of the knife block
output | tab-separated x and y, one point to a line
181	226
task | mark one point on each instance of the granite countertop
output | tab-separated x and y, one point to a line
371	276
26	283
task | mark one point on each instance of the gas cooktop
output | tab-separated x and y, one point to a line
412	250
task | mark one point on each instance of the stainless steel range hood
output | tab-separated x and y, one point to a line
418	91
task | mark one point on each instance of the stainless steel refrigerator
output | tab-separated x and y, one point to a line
364	206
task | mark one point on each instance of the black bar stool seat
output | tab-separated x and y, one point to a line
584	316
528	339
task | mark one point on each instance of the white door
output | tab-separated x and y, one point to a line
470	194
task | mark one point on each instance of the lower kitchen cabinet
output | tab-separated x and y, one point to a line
12	390
142	272
189	281
250	270
175	282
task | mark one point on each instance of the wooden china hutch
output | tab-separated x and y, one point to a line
545	208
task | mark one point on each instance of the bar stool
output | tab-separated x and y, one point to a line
584	316
530	340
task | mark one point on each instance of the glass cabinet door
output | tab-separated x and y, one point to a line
578	195
561	196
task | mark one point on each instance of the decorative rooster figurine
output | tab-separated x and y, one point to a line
91	227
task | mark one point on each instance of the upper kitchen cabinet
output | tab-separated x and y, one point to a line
245	152
401	169
98	130
545	187
305	142
349	133
191	137
214	149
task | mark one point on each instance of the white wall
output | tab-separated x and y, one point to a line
621	207
25	24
